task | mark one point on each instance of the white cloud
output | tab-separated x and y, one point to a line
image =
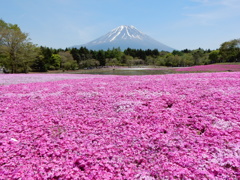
207	12
229	3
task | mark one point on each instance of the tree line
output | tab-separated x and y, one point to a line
18	54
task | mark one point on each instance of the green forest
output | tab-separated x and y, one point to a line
19	55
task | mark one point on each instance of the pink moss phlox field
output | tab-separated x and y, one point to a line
211	67
178	126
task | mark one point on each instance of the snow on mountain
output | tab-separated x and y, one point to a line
120	33
125	37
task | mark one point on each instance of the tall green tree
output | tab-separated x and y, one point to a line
214	56
75	54
199	56
39	64
27	56
67	61
101	57
3	28
90	63
230	51
16	47
55	62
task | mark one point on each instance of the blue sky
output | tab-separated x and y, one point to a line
179	24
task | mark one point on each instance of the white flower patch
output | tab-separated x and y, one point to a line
222	124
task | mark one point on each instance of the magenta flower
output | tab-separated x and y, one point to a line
178	126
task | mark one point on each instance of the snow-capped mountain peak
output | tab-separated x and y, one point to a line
125	37
122	32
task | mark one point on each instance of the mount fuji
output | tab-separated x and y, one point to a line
125	37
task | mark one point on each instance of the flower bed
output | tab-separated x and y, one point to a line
212	67
182	126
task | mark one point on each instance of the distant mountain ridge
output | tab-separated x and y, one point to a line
125	37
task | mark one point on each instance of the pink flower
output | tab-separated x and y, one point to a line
120	127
